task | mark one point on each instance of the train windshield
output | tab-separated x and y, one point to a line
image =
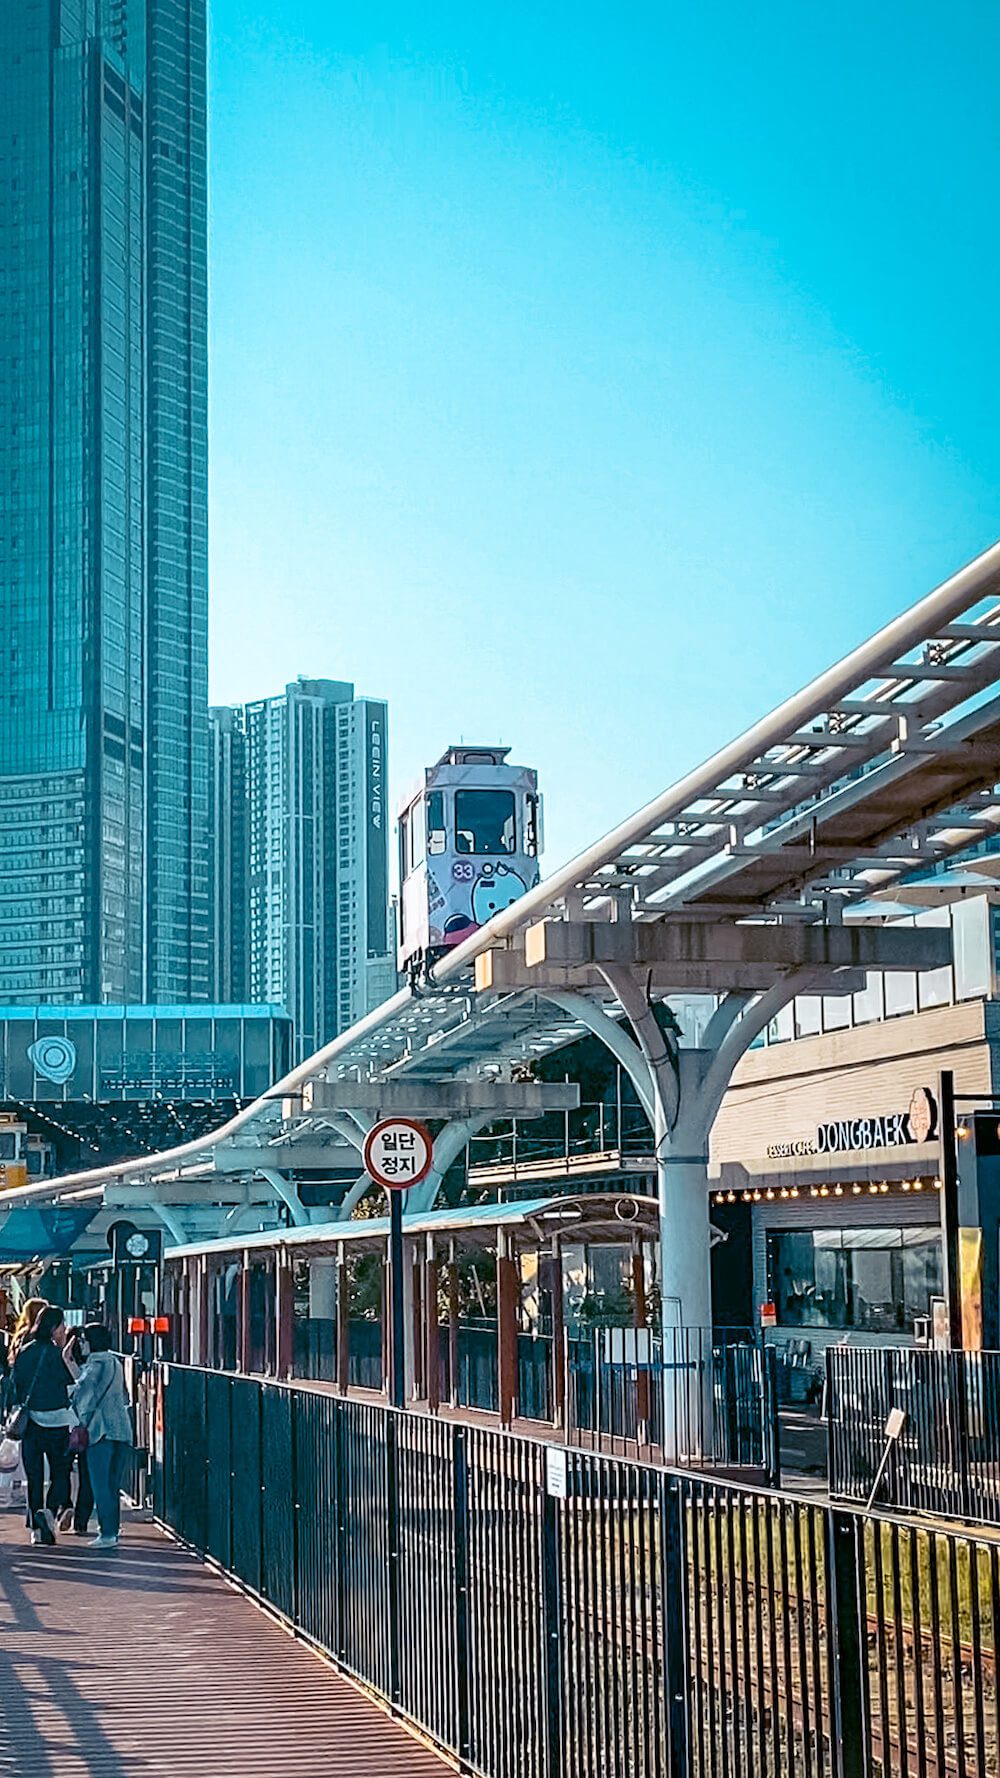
484	821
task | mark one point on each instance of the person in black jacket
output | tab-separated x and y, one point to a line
40	1381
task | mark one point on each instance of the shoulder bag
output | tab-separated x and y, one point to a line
79	1435
16	1424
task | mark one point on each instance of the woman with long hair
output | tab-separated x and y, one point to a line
30	1311
40	1382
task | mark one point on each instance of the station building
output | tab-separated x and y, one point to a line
826	1160
91	1084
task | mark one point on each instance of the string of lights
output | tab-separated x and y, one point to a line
880	1188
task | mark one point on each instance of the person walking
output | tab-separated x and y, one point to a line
77	1514
13	1482
101	1405
40	1383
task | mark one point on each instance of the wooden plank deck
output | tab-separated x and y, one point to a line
140	1661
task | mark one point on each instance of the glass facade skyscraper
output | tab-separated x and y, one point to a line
103	501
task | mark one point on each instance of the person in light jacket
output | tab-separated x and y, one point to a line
100	1403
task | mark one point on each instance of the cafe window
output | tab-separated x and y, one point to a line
877	1280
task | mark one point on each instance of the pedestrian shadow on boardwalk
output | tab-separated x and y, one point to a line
49	1598
48	1727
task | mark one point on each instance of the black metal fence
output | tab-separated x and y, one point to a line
946	1459
543	1613
705	1397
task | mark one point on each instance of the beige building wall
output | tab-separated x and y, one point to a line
780	1095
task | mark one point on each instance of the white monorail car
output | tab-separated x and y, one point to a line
469	842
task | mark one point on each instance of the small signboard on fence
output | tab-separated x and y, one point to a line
556	1473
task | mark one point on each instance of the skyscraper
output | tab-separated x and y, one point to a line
103	501
316	863
228	858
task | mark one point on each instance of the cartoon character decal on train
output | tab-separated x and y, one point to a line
469	843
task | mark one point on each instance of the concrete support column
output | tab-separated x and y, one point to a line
686	1089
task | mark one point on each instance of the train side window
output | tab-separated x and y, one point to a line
484	821
531	826
417	848
404	834
436	835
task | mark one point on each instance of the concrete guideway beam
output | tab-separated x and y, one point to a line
508	970
447	1098
310	1155
717	947
224	1190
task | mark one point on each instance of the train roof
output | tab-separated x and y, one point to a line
483	755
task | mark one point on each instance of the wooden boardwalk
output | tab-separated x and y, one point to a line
141	1663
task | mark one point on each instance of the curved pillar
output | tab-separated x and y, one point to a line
448	1145
685	1089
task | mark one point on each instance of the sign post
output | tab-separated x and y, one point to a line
893	1430
398	1153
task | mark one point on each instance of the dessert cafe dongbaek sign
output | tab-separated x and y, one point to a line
825	1176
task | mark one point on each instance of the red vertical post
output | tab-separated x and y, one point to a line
244	1359
200	1354
433	1336
343	1330
558	1334
508	1291
284	1300
453	1312
419	1369
641	1323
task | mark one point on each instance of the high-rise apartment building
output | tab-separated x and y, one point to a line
312	779
103	501
228	858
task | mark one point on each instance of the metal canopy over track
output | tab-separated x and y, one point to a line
886	764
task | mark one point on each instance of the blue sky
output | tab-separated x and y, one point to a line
591	378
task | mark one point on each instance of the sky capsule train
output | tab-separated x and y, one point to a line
469	843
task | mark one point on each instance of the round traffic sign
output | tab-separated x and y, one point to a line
398	1153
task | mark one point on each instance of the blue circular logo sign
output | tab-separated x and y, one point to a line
54	1058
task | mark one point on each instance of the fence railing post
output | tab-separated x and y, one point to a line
340	1521
392	1546
229	1478
294	1397
675	1658
460	1497
845	1628
772	1422
829	1404
552	1606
